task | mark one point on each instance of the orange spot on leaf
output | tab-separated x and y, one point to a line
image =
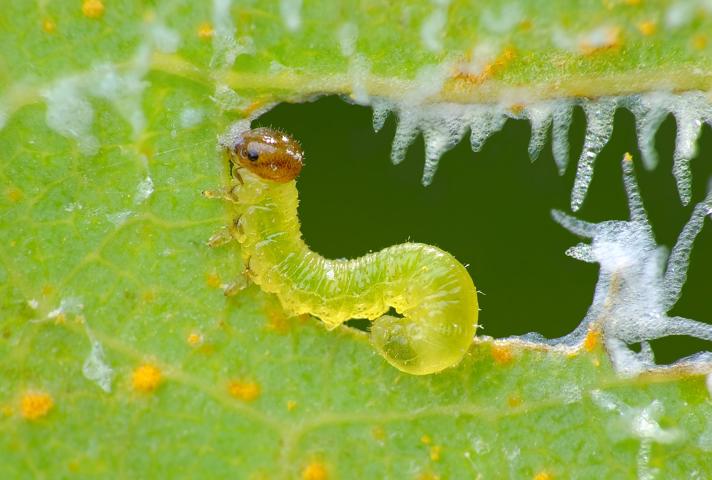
501	354
435	452
205	31
315	471
35	404
194	339
647	27
246	391
92	8
146	378
48	25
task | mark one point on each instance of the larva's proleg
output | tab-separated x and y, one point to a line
432	292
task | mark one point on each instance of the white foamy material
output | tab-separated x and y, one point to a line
442	129
123	90
119	218
96	369
71	115
381	109
638	282
67	305
431	30
291	12
599	119
691	109
226	98
502	21
484	121
417	113
190	117
639	423
144	190
679	14
226	47
347	35
540	116
163	38
563	111
359	69
650	110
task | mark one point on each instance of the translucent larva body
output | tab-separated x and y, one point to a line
428	287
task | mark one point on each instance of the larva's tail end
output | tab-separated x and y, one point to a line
415	349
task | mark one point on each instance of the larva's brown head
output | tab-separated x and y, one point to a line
269	154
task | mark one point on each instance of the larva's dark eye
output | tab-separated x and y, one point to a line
252	155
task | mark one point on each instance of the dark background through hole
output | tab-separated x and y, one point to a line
491	210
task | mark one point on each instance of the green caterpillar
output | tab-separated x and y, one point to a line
432	293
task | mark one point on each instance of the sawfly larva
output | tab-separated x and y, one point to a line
432	293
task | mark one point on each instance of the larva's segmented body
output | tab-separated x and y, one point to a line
428	287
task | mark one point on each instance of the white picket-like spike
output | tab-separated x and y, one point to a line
442	130
540	116
688	130
406	131
649	111
691	110
560	134
381	110
484	121
599	118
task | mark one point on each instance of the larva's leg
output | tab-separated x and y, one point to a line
230	193
240	283
227	234
220	238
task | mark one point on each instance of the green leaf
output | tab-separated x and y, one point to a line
119	354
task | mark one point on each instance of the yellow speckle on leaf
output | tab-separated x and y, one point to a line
647	27
378	433
699	41
592	340
149	295
194	339
435	452
13	194
92	8
205	31
246	391
48	25
146	378
428	476
543	475
35	404
426	440
6	410
501	354
60	319
514	401
212	280
315	471
633	3
291	405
